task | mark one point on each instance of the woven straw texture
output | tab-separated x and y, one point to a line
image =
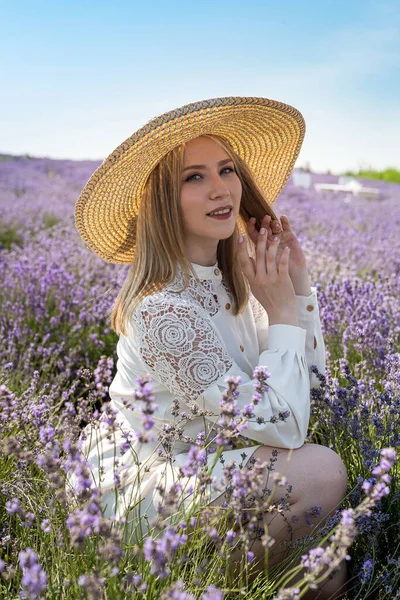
267	134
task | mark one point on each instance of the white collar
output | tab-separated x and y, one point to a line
212	272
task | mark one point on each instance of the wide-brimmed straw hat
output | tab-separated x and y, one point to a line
266	134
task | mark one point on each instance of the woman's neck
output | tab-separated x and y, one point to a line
200	254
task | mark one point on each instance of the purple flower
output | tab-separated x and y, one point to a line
34	579
148	408
45	525
197	457
13	507
288	594
261	374
83	522
160	551
93	585
212	593
230	536
176	591
367	570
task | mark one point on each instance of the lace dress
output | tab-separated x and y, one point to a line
188	343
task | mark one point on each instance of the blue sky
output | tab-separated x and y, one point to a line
79	77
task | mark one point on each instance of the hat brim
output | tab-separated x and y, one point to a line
266	134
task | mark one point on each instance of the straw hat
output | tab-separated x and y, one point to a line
266	134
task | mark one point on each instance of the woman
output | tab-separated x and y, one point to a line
196	308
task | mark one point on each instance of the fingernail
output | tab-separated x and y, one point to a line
262	231
240	239
275	239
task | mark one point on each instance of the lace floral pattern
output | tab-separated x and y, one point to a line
203	293
179	344
177	340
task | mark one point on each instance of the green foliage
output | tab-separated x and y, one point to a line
9	236
390	175
50	220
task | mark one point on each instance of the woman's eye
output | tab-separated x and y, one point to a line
191	177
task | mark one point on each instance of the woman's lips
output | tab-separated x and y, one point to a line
221	217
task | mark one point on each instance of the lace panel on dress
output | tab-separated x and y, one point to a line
179	345
202	293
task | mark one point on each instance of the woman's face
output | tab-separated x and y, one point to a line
209	183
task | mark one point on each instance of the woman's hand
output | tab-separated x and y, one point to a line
287	238
269	279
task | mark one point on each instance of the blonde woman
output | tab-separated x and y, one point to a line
218	285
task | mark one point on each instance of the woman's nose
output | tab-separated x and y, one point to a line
218	187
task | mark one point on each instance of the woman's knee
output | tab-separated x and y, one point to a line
310	469
328	468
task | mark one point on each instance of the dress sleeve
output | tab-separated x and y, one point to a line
309	320
183	350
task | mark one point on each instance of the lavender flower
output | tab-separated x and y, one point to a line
176	591
159	552
197	457
93	584
13	507
331	557
288	594
149	407
212	593
34	579
230	425
103	376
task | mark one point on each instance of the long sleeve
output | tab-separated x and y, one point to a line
182	349
309	320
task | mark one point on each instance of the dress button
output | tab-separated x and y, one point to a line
227	306
216	271
242	349
315	343
310	308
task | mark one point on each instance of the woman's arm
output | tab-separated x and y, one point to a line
309	320
182	349
306	297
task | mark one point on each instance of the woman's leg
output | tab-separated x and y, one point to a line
319	478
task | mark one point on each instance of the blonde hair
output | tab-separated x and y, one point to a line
160	236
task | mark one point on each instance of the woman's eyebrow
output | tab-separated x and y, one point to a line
221	162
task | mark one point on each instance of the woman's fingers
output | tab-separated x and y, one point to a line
285	223
284	261
276	227
251	227
268	256
261	250
271	256
251	230
270	234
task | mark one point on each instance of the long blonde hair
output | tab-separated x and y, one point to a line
160	236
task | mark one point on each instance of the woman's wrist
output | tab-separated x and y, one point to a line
301	283
283	319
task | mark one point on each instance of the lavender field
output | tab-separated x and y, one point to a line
57	358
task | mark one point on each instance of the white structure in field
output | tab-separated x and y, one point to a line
348	185
302	179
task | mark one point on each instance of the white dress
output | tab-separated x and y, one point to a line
188	343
